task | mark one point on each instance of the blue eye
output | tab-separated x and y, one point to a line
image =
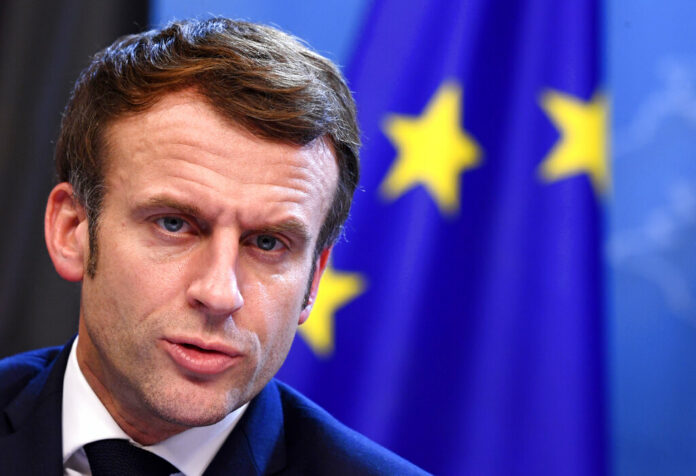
171	224
266	242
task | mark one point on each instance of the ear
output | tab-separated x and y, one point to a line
322	261
65	228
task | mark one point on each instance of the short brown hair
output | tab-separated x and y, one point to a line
261	78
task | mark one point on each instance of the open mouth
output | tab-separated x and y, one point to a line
200	360
199	349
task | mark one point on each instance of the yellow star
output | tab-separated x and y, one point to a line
335	290
582	147
433	150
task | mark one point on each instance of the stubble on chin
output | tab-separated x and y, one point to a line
182	406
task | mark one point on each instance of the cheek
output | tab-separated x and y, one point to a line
135	287
130	306
272	307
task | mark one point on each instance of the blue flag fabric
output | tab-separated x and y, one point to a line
461	324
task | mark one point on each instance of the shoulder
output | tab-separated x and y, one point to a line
318	442
18	370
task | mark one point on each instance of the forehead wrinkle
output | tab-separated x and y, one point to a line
299	174
295	195
216	159
298	192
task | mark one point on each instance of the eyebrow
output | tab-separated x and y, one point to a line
166	202
291	226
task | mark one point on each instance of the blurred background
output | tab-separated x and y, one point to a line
516	293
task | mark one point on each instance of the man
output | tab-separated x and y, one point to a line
205	173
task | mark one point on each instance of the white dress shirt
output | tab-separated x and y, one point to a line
85	419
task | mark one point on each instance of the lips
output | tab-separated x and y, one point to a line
201	358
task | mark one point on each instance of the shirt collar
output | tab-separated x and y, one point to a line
85	419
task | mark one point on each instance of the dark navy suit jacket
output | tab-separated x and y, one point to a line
282	432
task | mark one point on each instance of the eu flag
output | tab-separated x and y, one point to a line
460	325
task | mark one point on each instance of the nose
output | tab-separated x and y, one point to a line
215	289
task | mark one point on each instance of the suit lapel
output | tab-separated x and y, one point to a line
35	446
257	445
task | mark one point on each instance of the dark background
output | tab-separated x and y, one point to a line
43	47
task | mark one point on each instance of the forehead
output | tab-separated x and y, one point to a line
182	142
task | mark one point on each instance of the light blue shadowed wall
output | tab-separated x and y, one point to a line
651	250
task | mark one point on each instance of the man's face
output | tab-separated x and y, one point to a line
206	240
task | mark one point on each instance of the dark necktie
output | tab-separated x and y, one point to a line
118	457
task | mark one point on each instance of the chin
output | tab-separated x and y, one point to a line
190	419
188	407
